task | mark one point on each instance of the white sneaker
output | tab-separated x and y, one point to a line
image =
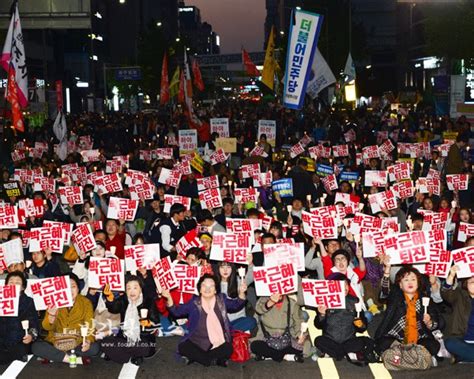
434	361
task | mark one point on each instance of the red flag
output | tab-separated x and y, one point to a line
165	84
250	67
59	94
197	76
12	97
181	98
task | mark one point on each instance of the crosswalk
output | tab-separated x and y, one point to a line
327	366
15	368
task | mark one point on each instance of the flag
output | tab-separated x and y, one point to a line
187	76
13	60
13	56
165	85
174	84
349	70
269	65
203	128
12	98
181	88
197	76
302	41
250	67
60	131
321	75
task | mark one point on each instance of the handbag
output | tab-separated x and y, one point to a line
65	341
282	341
406	357
240	347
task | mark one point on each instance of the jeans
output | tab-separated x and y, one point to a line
462	350
244	324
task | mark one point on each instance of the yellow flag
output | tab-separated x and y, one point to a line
174	84
269	64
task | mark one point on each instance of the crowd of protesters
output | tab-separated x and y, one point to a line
227	304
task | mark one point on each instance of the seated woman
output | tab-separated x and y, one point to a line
229	283
58	320
461	344
15	343
405	320
132	341
279	315
209	339
339	328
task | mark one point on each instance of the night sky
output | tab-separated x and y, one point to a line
238	22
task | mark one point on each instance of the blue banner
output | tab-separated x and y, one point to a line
284	187
324	170
349	176
302	41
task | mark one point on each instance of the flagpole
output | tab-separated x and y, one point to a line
12	14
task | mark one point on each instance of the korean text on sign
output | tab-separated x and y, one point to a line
104	271
325	293
51	292
281	280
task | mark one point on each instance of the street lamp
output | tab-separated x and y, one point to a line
177	39
159	23
282	32
122	1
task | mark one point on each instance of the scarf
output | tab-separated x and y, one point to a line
214	328
131	323
411	328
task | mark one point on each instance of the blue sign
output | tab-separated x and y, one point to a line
324	170
134	73
284	187
349	176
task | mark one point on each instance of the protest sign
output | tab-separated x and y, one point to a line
464	259
52	292
188	141
325	293
231	247
276	254
210	198
141	256
281	280
83	239
220	126
163	273
122	209
267	127
109	271
9	300
407	248
284	187
187	278
175	199
47	237
319	227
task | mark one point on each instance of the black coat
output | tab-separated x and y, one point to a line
397	309
338	324
11	331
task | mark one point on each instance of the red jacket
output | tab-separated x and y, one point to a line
160	303
119	242
327	265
